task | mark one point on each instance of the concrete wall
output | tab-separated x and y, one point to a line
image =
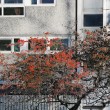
39	19
106	12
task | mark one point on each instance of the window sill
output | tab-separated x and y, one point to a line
12	16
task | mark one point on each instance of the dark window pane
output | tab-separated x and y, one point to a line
59	44
4	45
14	11
29	46
92	20
16	45
47	1
0	11
64	42
13	1
34	1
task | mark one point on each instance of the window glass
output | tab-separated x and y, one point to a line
59	44
16	45
4	45
14	11
47	1
29	45
34	1
65	42
92	20
13	1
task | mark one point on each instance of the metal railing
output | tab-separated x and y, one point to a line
31	102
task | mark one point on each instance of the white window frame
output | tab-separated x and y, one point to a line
39	3
10	5
106	11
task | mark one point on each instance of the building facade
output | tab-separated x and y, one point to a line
22	19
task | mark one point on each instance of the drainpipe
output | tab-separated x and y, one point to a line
76	19
76	15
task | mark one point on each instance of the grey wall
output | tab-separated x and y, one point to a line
39	19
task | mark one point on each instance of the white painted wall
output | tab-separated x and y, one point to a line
107	108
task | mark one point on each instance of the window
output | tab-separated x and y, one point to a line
93	20
90	14
34	1
47	1
16	45
5	45
12	8
37	44
43	1
59	44
13	1
13	11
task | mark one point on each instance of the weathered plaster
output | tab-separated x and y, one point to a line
39	19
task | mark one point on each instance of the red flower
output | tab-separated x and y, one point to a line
21	42
88	33
47	33
31	68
